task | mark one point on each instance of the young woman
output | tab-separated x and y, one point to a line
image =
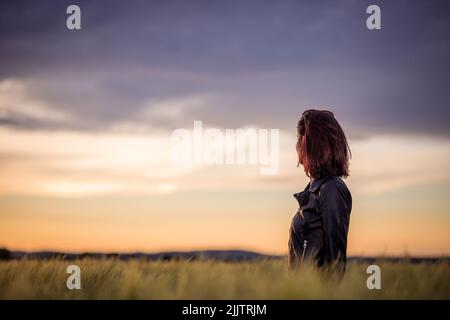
320	226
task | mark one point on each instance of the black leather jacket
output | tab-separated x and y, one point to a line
319	228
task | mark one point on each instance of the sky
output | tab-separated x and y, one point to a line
86	118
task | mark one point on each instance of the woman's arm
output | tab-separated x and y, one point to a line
335	206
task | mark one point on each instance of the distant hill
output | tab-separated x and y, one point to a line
221	255
218	255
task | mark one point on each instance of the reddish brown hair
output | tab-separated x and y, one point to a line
322	147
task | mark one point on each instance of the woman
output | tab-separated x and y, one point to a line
320	226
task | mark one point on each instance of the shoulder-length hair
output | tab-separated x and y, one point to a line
322	147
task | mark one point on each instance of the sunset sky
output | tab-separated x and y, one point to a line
86	118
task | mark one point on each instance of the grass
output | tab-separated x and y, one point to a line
266	279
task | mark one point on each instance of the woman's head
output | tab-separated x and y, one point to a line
322	147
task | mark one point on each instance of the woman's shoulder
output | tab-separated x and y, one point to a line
334	184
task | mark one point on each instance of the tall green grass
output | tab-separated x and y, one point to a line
266	279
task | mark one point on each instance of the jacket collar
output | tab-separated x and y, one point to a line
311	187
315	185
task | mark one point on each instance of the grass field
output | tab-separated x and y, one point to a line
266	279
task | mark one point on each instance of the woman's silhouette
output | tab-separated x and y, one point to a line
319	228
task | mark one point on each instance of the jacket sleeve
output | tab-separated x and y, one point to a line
335	206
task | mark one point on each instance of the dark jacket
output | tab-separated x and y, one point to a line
319	228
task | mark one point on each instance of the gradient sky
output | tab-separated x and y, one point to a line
86	118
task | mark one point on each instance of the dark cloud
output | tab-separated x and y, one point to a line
263	60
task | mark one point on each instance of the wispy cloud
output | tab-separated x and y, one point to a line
83	163
171	109
74	164
17	105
